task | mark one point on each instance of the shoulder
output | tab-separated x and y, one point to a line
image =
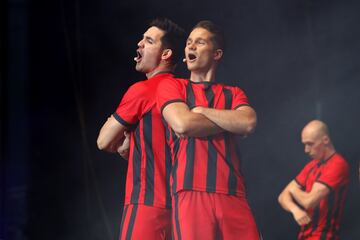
338	161
311	164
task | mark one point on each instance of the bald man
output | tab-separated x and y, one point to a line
316	196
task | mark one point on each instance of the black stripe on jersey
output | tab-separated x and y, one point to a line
232	178
315	219
167	175
212	154
329	215
123	219
149	171
176	216
131	222
136	167
190	97
123	122
189	168
336	218
176	160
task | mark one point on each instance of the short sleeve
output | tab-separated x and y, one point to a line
240	99
335	174
169	90
302	176
133	105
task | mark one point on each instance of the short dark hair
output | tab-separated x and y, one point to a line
174	37
218	35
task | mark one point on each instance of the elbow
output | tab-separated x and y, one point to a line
102	144
181	128
281	199
250	127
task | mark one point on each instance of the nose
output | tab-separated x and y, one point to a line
191	46
141	43
307	149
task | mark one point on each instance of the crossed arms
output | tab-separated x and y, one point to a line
202	122
296	201
114	138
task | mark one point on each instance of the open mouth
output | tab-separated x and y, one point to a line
138	56
191	57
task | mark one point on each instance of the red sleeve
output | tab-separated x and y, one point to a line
335	174
170	90
240	99
133	105
302	176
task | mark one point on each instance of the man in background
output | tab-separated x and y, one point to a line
316	197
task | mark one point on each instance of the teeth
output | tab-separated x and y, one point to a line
138	56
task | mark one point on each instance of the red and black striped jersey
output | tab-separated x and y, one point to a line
148	175
334	173
209	164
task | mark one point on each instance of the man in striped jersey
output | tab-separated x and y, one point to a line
147	213
209	200
316	196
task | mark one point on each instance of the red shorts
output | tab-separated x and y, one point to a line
141	222
210	216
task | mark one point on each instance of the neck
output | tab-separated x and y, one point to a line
203	76
328	153
160	69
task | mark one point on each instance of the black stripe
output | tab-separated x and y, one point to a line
136	167
315	219
329	214
336	219
212	154
232	178
168	163
123	219
190	97
176	161
123	122
167	175
176	216
149	171
189	168
131	222
190	146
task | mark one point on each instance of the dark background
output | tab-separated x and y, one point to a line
66	63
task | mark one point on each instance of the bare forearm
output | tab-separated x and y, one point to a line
287	202
197	125
189	124
111	135
302	198
234	121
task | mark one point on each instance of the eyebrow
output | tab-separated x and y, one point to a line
148	38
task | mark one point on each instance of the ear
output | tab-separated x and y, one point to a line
218	54
166	54
326	139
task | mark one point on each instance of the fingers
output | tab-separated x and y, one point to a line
303	220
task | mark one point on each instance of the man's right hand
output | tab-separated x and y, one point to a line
123	149
301	217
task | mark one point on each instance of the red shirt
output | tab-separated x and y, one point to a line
334	173
209	164
148	175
